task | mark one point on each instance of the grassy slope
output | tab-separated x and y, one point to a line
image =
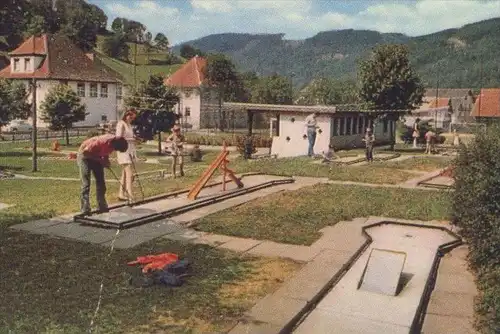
126	69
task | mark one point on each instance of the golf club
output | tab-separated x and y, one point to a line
137	176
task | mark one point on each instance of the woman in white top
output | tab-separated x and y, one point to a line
124	129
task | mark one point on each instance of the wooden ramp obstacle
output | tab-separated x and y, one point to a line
220	162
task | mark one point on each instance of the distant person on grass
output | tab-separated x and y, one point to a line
430	138
369	140
177	140
93	156
311	126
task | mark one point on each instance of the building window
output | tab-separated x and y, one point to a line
93	90
104	118
27	64
80	89
119	91
16	65
386	125
341	126
104	90
355	125
187	111
348	126
335	126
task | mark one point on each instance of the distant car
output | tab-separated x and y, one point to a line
18	126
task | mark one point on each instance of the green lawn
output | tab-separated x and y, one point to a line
52	286
303	166
420	163
296	217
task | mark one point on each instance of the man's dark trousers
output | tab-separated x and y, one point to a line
86	167
369	153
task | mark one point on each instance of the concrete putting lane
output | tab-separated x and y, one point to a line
347	309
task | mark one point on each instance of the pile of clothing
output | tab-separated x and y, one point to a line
165	269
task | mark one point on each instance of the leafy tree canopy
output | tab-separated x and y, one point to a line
62	108
13	101
388	81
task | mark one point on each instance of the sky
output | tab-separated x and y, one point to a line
185	20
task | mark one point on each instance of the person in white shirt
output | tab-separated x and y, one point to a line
311	126
125	159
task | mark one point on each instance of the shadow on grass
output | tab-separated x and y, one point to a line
53	284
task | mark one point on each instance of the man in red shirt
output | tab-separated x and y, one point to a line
93	156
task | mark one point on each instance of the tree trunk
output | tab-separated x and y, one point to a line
67	136
159	143
221	116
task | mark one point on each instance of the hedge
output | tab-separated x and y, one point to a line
476	211
231	140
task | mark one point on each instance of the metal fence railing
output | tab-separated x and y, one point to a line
44	134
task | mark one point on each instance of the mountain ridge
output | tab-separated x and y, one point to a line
458	57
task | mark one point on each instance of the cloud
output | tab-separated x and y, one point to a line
300	18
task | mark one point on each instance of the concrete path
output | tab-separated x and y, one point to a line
451	308
4	206
348	308
174	228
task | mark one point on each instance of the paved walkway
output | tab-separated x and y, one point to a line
451	307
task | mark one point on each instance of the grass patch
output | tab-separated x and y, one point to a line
303	166
424	164
57	290
296	217
143	72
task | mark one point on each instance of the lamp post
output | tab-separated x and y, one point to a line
437	99
291	85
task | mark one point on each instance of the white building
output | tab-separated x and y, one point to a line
188	80
54	60
342	129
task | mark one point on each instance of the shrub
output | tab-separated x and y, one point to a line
476	212
231	140
406	132
241	144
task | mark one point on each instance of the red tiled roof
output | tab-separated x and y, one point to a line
487	103
38	47
63	60
189	75
440	102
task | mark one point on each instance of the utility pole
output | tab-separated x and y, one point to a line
480	87
34	135
135	64
437	99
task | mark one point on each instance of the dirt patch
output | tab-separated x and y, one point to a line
267	275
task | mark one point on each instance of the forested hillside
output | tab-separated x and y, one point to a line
454	56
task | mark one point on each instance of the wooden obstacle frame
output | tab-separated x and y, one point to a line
219	163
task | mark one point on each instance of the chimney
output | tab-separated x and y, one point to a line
90	55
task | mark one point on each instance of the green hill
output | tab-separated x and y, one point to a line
464	57
142	71
145	63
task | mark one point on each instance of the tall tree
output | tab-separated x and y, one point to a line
148	45
13	101
115	46
326	91
188	52
161	41
221	75
117	25
388	82
62	108
157	99
273	89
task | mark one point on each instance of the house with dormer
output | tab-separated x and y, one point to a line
188	80
52	60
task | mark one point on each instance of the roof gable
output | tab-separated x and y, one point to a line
190	75
63	60
487	103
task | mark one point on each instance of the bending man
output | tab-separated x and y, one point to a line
93	156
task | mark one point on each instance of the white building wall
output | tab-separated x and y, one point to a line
295	130
96	107
341	137
189	100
